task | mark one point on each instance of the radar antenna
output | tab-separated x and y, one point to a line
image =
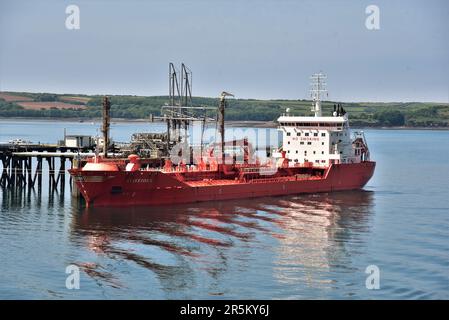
318	89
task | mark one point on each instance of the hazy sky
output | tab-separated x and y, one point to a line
254	49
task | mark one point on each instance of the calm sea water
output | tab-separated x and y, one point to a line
296	247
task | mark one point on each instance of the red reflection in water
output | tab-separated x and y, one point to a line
302	226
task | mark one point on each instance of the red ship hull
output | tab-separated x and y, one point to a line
135	188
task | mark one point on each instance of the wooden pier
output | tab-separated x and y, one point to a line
23	164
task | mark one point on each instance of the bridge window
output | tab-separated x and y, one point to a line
306	134
288	134
323	134
298	134
315	134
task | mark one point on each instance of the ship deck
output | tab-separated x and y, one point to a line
220	182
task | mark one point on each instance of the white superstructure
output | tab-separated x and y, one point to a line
320	140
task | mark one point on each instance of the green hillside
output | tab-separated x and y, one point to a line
411	114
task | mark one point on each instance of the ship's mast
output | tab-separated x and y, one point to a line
318	88
106	124
221	122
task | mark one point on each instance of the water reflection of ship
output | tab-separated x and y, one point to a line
324	231
310	231
195	234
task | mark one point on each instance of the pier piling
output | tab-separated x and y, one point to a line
22	166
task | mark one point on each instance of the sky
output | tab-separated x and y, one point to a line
253	49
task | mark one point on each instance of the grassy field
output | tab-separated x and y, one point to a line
369	114
34	105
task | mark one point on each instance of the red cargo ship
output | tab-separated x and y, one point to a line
317	154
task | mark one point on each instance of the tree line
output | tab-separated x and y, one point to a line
136	107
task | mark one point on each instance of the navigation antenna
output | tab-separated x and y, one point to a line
317	90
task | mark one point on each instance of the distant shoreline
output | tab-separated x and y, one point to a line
255	124
244	112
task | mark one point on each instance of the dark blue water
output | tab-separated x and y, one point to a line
306	246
